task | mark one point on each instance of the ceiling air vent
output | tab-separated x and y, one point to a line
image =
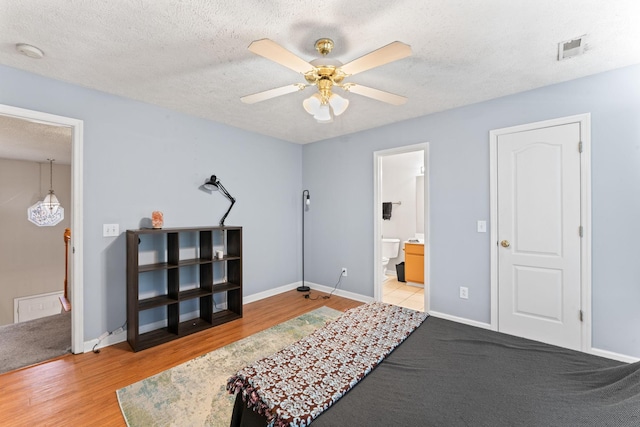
570	48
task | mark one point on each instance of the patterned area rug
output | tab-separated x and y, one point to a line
194	393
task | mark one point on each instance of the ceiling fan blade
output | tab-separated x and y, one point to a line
372	93
272	93
384	55
271	50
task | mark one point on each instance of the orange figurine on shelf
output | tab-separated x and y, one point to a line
157	219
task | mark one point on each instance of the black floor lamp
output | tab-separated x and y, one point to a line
306	201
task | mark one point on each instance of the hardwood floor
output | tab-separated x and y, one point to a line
80	390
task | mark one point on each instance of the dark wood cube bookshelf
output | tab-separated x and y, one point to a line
174	280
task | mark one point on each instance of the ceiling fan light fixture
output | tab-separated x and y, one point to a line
312	104
323	115
338	104
327	73
324	110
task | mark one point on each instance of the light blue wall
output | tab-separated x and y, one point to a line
139	158
339	175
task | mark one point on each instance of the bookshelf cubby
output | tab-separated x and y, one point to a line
176	285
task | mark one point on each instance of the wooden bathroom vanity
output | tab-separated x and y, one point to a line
414	262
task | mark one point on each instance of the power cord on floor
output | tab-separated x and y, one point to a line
106	334
308	296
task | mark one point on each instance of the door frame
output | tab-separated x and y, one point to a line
377	217
585	215
76	260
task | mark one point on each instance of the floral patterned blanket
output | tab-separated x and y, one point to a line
295	385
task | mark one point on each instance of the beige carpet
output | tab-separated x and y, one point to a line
194	393
34	341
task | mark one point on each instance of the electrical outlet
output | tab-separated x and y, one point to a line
464	292
344	271
110	230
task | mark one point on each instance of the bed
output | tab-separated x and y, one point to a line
449	374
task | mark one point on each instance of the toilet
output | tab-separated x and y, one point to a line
390	248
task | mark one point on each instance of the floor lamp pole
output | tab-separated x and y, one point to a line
306	201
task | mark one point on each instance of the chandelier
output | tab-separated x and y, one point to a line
47	212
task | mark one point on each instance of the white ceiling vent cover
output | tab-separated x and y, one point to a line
570	48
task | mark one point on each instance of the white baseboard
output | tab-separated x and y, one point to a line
110	340
314	286
614	356
340	293
460	320
36	306
271	292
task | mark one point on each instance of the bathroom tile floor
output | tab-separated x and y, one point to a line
399	293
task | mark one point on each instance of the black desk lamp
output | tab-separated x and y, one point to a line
214	184
306	201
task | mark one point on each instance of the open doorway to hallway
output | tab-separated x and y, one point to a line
23	122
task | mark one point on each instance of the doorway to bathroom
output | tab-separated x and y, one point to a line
401	226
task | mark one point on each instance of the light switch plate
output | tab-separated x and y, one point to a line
482	226
110	230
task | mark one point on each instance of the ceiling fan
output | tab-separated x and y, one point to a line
327	74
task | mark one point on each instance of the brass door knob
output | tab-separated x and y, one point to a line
505	244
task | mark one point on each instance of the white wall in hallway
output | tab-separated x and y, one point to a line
399	172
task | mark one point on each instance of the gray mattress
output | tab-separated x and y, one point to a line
449	374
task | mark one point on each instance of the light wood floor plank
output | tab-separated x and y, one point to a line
80	390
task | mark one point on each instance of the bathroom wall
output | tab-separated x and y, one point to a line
399	173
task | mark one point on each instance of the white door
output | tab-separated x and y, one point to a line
539	233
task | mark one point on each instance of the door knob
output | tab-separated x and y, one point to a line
505	244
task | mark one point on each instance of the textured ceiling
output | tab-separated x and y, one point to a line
192	56
32	141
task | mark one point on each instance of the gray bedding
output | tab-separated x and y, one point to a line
449	374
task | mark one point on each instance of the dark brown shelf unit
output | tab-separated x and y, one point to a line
207	279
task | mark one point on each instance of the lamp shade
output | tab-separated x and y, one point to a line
312	104
51	202
323	111
211	184
323	115
338	104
